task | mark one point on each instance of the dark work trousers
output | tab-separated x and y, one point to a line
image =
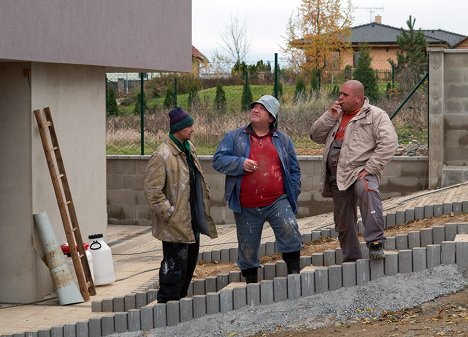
364	192
177	267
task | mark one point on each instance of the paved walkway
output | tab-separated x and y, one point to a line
137	256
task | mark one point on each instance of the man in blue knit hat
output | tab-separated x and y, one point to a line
177	193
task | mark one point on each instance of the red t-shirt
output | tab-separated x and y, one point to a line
263	186
344	123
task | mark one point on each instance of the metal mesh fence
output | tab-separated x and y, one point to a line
302	101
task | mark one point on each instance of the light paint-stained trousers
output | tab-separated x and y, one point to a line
365	193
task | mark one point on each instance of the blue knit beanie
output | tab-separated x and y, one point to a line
179	119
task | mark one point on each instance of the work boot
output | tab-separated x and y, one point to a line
293	262
376	251
250	275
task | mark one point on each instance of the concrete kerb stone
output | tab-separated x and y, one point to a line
429	255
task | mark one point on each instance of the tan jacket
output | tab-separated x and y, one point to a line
369	143
167	183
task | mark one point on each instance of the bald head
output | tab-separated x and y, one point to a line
351	96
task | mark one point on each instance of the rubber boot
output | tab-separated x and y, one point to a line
250	275
293	262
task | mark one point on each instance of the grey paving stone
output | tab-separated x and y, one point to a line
108	304
234	276
134	320
409	215
401	241
57	331
239	297
199	287
465	206
391	263
307	237
225	255
333	233
119	304
339	256
160	315
362	271
266	292
253	294
305	261
146	318
269	271
262	250
225	300
233	253
269	248
199	306
215	255
433	256
41	333
335	277
400	218
364	250
419	212
450	231
172	313
94	327
140	300
438	234
405	261
425	235
107	325
190	289
307	282
316	235
349	274
329	257
325	233
428	211
321	279
120	322
222	281
96	306
294	286
186	309
151	295
414	239
461	254
281	269
130	302
390	243
31	334
212	303
377	268
259	274
206	256
69	330
438	210
317	259
463	227
447	252
280	289
390	220
419	259
447	208
457	208
210	284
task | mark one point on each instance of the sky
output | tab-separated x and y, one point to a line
266	20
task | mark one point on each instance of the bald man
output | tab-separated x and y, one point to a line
359	141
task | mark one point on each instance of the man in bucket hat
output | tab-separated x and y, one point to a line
263	182
179	214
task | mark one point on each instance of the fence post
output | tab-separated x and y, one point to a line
276	76
142	115
175	92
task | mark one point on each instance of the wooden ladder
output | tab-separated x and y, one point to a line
65	202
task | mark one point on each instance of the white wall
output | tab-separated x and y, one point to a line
76	96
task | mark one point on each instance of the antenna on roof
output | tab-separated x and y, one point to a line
371	11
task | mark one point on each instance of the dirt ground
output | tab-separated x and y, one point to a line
447	316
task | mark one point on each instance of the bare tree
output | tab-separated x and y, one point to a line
235	41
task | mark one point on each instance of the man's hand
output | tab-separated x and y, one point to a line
362	174
250	165
336	110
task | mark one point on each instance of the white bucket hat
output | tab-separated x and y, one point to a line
270	103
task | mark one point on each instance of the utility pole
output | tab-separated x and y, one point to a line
371	11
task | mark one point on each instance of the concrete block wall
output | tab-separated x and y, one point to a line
126	203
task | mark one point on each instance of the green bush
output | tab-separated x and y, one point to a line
112	108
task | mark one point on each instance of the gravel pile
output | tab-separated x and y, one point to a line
369	301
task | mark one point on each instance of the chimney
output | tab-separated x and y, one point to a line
378	19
